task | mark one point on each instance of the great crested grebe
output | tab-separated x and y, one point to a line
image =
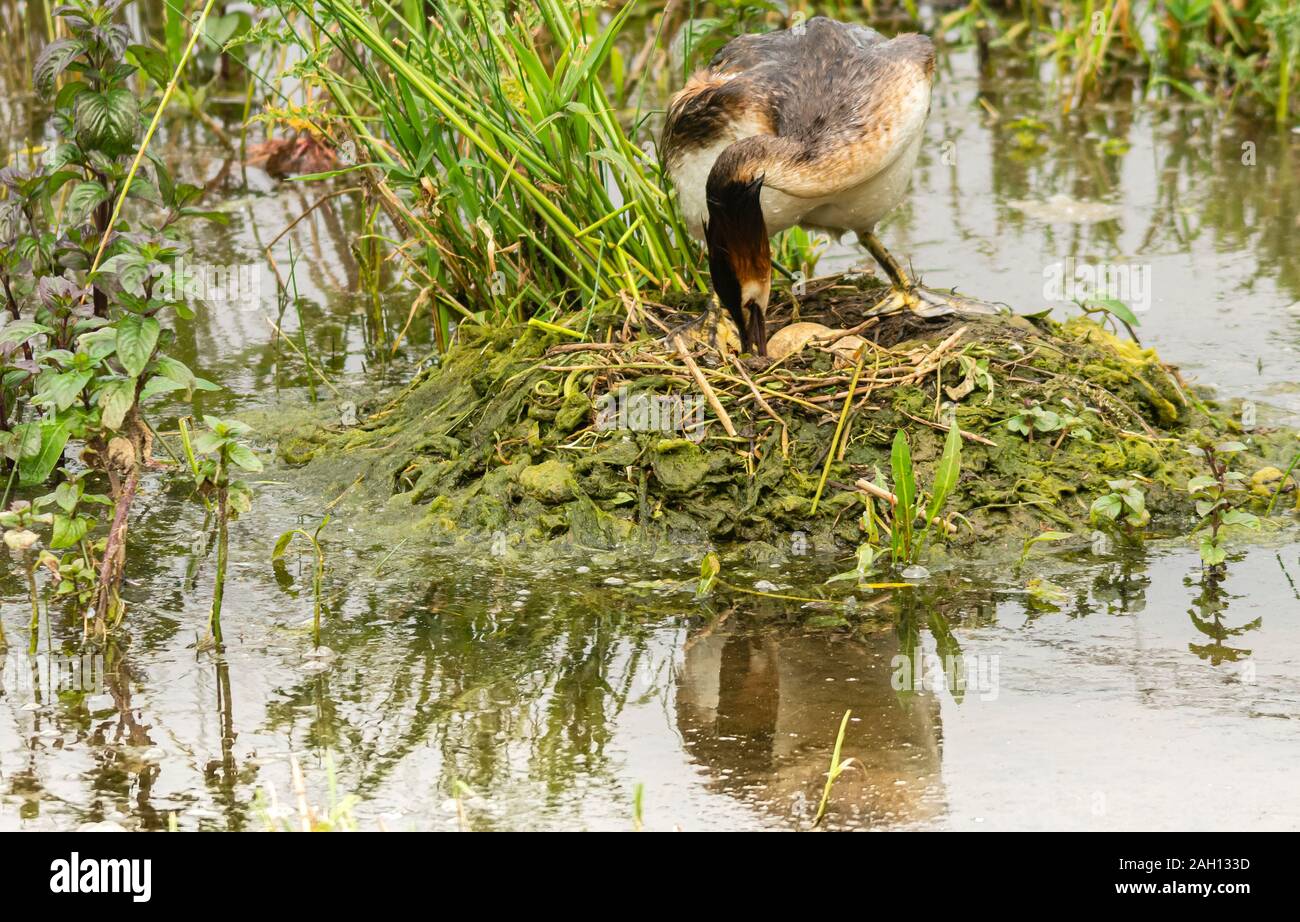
818	126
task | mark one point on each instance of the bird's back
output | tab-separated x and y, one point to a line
846	99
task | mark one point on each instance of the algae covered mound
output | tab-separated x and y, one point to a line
523	435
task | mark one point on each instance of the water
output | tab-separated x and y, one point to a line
499	699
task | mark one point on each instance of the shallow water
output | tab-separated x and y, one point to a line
499	699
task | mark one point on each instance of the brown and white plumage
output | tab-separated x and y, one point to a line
817	126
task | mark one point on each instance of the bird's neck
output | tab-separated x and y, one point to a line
736	229
784	163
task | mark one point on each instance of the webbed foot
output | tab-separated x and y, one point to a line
713	328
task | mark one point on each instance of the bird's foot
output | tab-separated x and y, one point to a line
713	329
930	304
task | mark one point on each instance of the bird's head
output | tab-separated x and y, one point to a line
740	258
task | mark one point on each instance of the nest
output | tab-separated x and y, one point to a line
524	433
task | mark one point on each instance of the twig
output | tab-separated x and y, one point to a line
703	384
969	436
866	486
839	429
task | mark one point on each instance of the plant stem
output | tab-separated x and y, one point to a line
219	588
835	770
110	568
35	628
1281	486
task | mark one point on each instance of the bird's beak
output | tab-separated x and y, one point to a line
754	297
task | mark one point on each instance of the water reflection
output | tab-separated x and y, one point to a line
760	709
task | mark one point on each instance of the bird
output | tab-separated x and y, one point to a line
818	125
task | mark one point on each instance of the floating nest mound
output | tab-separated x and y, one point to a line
639	437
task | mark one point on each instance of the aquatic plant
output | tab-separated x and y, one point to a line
318	566
905	545
211	454
85	286
1220	497
538	202
836	769
1207	50
1124	508
73	570
338	815
1035	540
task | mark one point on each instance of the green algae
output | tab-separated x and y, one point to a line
500	442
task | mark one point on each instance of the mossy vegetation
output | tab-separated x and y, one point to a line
523	437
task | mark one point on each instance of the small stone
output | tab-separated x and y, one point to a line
916	571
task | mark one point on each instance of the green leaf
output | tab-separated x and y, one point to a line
19	331
153	62
136	338
1213	551
159	385
107	120
98	344
1112	306
1227	448
23	442
242	456
947	474
174	370
205	443
1047	421
66	495
131	270
1240	517
61	389
239	499
1108	506
36	468
1039	539
1196	484
115	401
85	196
282	543
69	530
900	464
53	61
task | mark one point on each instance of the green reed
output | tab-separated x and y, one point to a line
495	145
